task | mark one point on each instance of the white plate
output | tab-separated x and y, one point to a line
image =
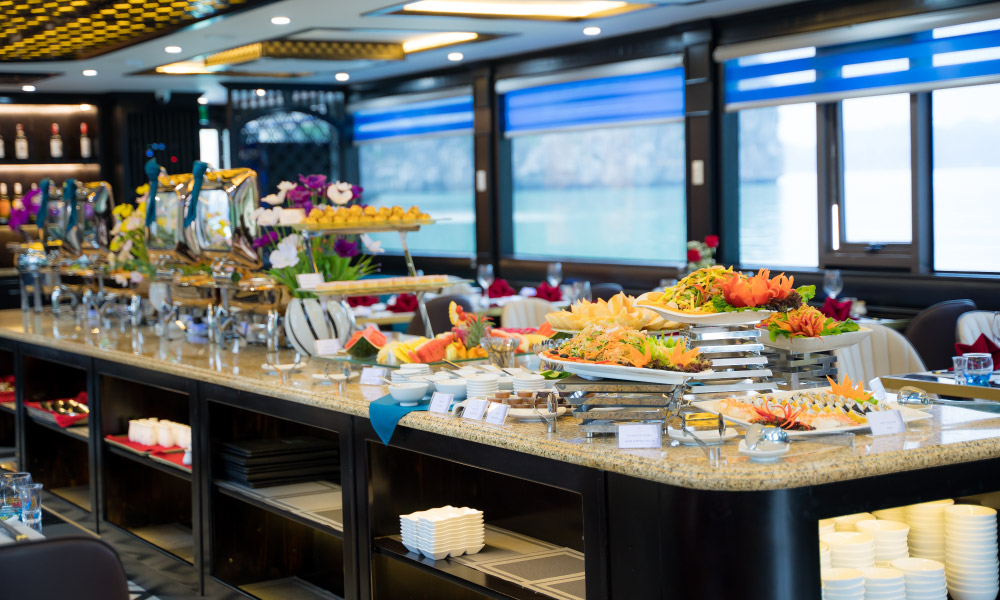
285	367
763	456
820	344
589	370
743	317
527	415
709	437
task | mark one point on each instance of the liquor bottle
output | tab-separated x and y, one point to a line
3	148
20	144
18	194
86	147
55	142
4	204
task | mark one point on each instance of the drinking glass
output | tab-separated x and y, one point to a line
832	283
554	274
484	275
10	493
581	291
979	367
960	364
31	506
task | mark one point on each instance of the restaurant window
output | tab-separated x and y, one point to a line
599	155
414	151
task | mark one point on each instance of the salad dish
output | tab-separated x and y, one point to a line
617	310
805	329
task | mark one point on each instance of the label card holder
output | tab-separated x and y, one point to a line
475	409
639	435
372	376
878	390
309	281
497	414
328	347
440	403
886	422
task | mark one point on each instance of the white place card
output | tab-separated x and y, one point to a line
475	409
497	414
328	347
639	435
309	281
878	390
372	376
886	422
440	403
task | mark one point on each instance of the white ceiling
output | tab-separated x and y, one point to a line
253	25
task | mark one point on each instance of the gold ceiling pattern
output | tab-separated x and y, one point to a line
308	50
41	30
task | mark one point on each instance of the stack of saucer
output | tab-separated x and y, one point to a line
890	539
971	552
405	372
846	522
441	532
843	584
924	578
826	526
926	521
529	382
884	584
824	556
897	513
481	386
850	549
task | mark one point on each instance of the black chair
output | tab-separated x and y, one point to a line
932	331
604	291
81	568
437	310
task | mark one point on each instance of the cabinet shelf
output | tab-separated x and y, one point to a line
291	587
77	432
78	495
148	462
282	507
8	407
175	539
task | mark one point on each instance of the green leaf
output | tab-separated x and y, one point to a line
808	292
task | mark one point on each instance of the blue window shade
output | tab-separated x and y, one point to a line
618	100
914	62
448	115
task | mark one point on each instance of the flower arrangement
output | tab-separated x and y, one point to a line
25	210
128	258
701	254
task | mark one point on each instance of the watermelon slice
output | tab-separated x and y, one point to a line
366	343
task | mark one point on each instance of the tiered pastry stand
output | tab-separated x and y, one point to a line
801	370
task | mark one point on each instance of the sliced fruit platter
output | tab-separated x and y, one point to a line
720	296
385	285
806	329
843	407
617	310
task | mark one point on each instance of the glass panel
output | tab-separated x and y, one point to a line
623	186
877	200
213	214
434	173
778	203
163	232
966	178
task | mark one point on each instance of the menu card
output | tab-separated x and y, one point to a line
639	435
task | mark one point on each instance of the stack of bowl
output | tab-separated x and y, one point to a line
884	584
926	521
529	382
824	556
843	584
897	513
826	526
481	386
924	578
971	552
846	522
850	549
455	387
890	539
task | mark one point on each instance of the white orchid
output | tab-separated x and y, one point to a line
272	199
283	188
267	217
125	252
372	246
286	254
135	277
340	192
132	223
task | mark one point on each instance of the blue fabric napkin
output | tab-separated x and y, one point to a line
386	412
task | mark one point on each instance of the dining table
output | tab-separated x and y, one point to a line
943	384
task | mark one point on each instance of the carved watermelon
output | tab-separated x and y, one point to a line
365	344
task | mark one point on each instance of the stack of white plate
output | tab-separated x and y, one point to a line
826	526
441	532
884	584
481	386
824	556
971	552
850	549
846	522
843	584
926	521
891	514
890	539
415	369
924	578
529	382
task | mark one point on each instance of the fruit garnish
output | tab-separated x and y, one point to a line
848	390
757	290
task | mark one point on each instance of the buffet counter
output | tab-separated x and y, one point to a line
567	517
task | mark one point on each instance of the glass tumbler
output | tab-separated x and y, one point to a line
979	367
31	506
10	498
959	365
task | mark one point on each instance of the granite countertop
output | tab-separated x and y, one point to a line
953	435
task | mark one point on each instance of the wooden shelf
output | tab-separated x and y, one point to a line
77	432
291	587
8	407
173	538
146	461
78	496
233	490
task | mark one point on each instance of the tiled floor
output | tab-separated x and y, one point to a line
137	593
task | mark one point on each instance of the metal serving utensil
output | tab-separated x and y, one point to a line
914	396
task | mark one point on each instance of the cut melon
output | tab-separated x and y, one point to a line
366	343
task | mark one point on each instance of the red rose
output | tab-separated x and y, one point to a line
693	255
712	241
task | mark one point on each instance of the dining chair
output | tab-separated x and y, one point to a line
884	352
975	323
932	331
437	311
604	291
81	568
529	312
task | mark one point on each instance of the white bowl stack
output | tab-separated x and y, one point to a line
846	522
971	564
850	549
884	584
843	584
924	578
897	514
926	521
890	539
442	532
529	382
407	371
824	556
481	386
826	526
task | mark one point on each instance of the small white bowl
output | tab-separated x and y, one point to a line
455	387
408	394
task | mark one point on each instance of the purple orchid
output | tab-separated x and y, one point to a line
268	238
345	249
298	195
33	201
18	217
314	183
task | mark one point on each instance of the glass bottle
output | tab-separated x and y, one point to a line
55	143
86	146
20	144
4	204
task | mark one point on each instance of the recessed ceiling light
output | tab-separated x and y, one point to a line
342	76
27	88
591	31
436	40
261	92
455	56
280	20
172	49
202	100
188	67
84	107
89	72
524	9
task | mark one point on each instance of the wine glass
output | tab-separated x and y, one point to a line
484	275
832	283
554	274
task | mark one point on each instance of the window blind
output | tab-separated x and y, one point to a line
449	115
